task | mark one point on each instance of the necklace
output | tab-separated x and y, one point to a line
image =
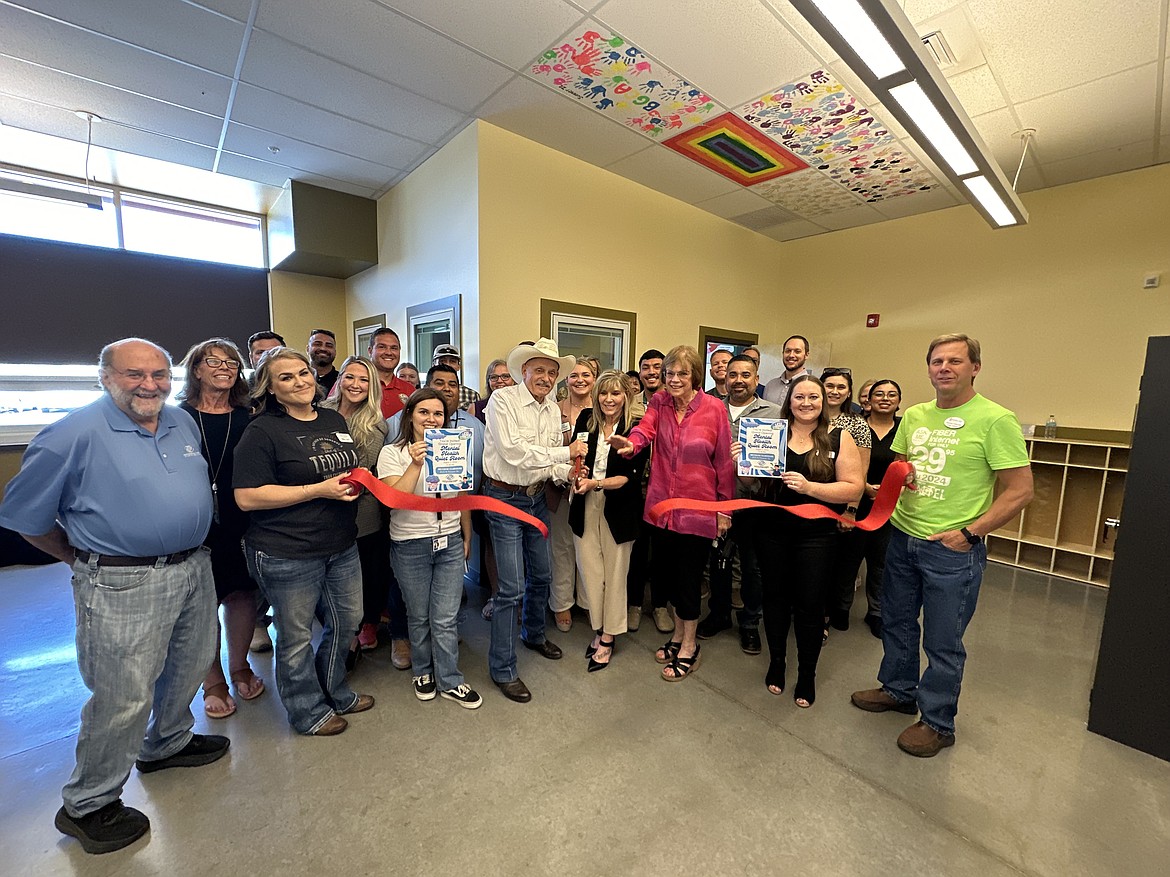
227	437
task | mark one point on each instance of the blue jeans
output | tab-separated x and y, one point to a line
520	551
927	577
145	638
432	586
312	686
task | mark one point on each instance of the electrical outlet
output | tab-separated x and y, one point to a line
1151	281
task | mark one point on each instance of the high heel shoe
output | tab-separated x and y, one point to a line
775	678
594	666
804	694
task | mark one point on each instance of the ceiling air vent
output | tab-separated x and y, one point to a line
936	44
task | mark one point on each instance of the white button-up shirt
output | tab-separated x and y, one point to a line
522	443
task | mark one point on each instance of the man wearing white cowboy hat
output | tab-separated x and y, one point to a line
523	450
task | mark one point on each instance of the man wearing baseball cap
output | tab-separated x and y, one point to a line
448	354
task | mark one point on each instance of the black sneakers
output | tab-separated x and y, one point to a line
200	749
103	831
465	696
424	686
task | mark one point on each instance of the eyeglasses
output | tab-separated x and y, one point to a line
216	362
670	375
135	376
836	373
881	394
495	379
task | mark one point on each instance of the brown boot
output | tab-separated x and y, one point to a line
878	700
923	741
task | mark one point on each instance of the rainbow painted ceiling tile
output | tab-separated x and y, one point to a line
730	146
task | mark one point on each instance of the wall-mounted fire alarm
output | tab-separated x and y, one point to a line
872	320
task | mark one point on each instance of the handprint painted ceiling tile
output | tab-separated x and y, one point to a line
733	148
881	174
809	193
600	68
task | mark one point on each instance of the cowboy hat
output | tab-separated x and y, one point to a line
545	348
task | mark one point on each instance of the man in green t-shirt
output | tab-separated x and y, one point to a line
961	445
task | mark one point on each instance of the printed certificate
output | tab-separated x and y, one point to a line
764	445
447	467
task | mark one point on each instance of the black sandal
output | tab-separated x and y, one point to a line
594	666
666	654
805	690
682	667
775	677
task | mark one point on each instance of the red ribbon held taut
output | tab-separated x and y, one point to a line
883	504
399	499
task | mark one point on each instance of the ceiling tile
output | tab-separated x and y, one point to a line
1099	163
920	10
514	36
765	217
542	115
849	218
1107	112
237	9
977	90
153	146
804	31
305	156
921	202
790	231
259	108
997	129
1043	46
114	106
164	27
279	66
62	47
735	203
733	51
388	46
275	175
673	175
807	193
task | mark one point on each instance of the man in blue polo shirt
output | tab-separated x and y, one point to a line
119	490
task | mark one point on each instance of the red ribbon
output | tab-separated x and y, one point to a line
883	504
398	499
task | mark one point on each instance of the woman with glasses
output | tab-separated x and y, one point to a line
838	384
301	540
885	396
796	555
216	396
357	396
691	458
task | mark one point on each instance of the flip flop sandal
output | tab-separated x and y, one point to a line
220	690
247	677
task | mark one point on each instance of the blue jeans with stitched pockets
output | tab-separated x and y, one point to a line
520	552
432	586
312	685
145	638
927	577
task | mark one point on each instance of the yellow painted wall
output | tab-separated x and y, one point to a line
302	302
428	248
554	227
1057	305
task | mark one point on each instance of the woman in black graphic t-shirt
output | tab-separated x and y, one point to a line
301	540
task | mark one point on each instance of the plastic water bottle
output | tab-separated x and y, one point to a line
1050	426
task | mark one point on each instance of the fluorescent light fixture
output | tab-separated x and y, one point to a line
913	100
86	198
858	29
983	192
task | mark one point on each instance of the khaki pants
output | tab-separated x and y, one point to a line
603	564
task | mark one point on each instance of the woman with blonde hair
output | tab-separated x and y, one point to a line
357	396
605	513
216	397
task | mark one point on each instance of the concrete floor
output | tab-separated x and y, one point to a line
617	773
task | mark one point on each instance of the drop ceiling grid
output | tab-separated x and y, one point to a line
732	51
254	141
387	46
1126	157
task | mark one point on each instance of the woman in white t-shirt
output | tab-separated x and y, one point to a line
428	552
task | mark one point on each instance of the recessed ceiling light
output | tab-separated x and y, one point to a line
274	149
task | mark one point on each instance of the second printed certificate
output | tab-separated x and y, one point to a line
447	467
763	447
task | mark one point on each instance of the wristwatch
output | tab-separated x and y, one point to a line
971	538
598	487
851	510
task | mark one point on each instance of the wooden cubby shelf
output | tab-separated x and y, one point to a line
1062	532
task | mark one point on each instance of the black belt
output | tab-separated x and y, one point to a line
114	560
530	489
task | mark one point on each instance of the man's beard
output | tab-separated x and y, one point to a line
140	409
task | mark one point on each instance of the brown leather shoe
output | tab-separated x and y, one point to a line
332	728
547	649
923	741
363	703
515	690
400	654
878	700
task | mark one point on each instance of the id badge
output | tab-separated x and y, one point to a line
438	543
